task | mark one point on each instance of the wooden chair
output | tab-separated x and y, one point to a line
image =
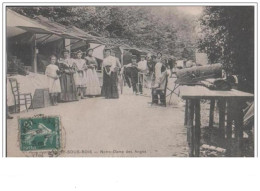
174	90
20	99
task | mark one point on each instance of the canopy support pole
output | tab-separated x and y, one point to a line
34	54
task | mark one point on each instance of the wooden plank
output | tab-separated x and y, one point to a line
200	92
190	127
238	117
211	112
197	128
229	127
222	114
186	112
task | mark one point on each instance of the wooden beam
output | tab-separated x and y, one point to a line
35	54
222	114
238	117
190	127
186	112
211	112
229	127
197	128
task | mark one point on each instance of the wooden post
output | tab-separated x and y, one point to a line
238	117
211	112
222	112
197	128
229	127
67	44
34	54
186	112
190	127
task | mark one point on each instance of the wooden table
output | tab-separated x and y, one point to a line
230	105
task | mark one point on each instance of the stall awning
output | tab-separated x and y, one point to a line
37	30
18	24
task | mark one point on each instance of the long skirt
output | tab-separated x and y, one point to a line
68	88
110	88
92	81
54	85
80	79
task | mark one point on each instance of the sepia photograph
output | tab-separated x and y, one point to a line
130	81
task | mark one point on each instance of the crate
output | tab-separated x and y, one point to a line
41	98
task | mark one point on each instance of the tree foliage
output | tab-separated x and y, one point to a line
228	37
157	28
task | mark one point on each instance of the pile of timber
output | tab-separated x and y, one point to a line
197	74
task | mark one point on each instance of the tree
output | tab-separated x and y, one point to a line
157	28
228	37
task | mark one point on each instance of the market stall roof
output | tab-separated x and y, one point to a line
18	24
13	20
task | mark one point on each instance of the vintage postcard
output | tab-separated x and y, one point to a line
130	81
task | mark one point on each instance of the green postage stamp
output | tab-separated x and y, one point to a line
40	133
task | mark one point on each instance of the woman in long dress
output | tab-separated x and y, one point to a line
52	73
93	85
111	67
68	86
80	75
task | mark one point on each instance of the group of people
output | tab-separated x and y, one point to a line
147	69
73	79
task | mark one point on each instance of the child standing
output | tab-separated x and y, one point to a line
52	72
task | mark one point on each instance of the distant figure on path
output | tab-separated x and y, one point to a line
143	71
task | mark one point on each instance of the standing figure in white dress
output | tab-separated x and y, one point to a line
93	85
80	75
52	73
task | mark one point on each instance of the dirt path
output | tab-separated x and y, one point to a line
127	126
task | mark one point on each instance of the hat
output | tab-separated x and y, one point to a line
143	55
79	51
133	57
89	50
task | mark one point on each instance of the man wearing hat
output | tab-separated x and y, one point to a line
133	67
160	81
